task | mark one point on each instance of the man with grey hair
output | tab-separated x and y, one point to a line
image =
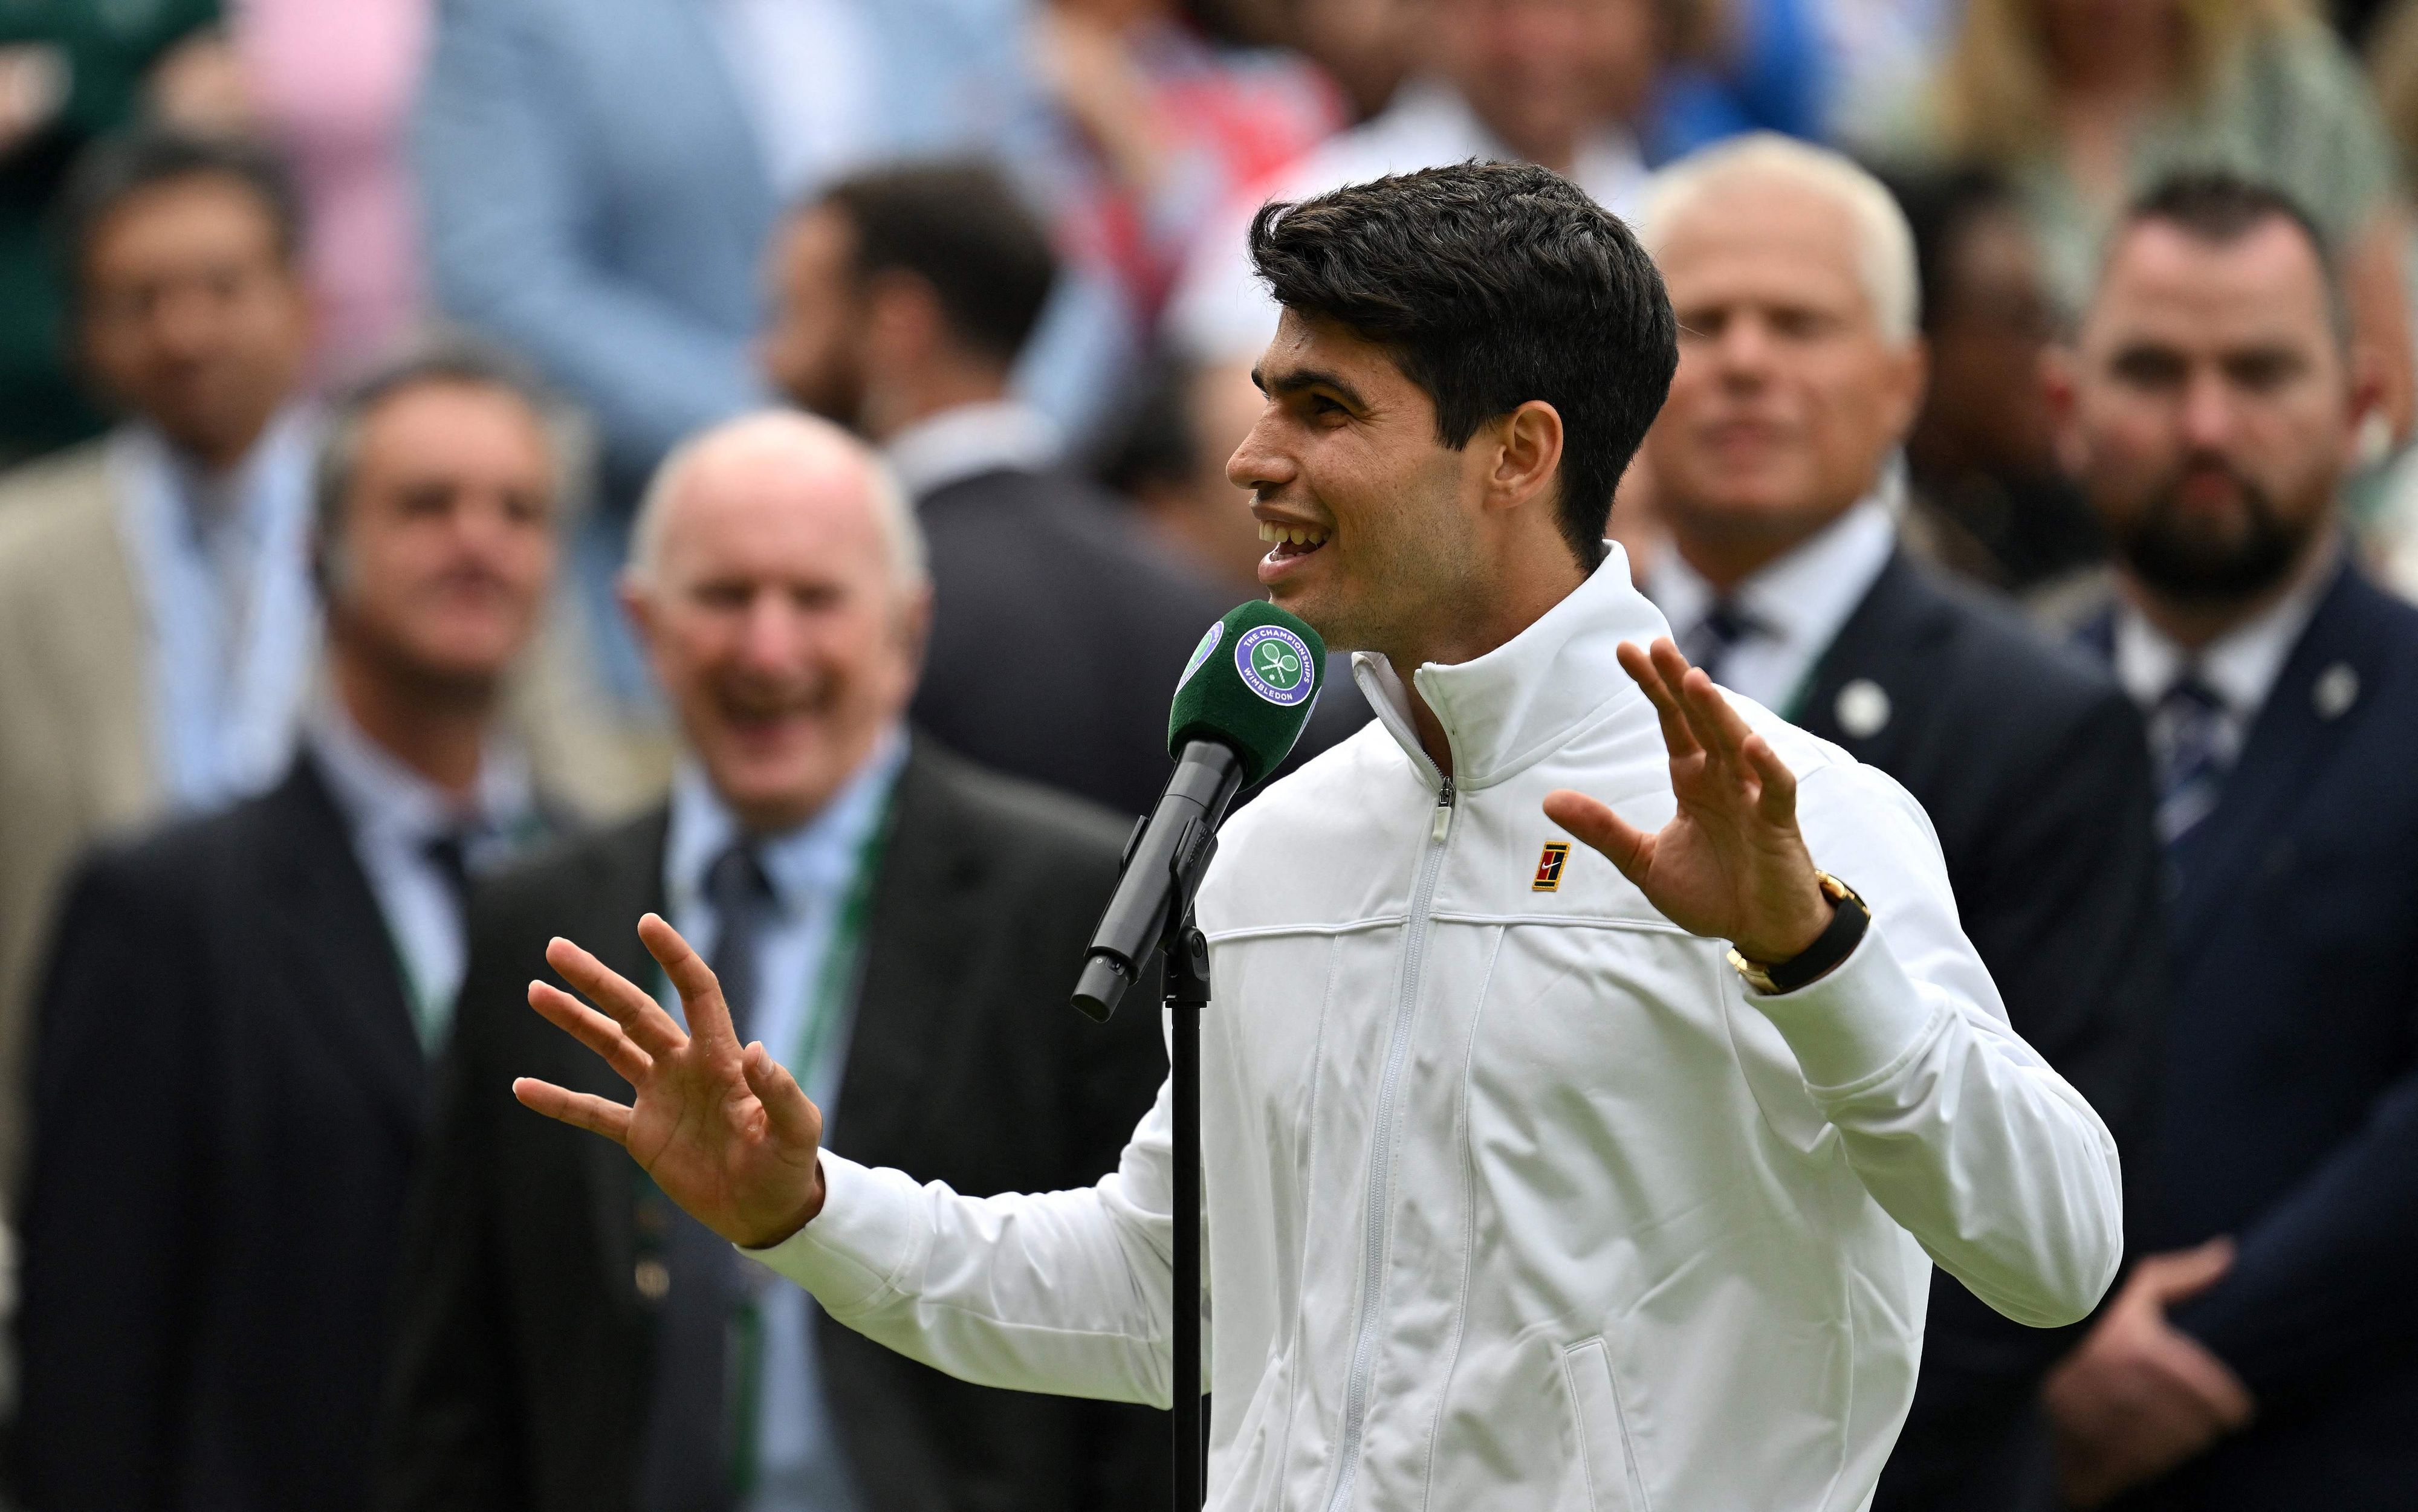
1774	465
210	1240
901	924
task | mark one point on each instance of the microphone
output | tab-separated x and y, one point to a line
1239	707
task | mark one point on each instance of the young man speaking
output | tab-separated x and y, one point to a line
1603	1185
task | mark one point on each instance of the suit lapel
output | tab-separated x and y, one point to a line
2295	734
924	903
343	960
1881	645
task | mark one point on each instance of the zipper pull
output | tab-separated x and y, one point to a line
1443	824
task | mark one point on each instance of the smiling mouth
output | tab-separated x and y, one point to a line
1290	540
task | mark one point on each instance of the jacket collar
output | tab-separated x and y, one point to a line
1505	710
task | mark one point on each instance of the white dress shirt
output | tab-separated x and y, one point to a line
970	440
222	567
2240	666
1797	605
394	815
1221	312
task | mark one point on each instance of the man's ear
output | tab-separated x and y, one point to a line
1909	384
1527	452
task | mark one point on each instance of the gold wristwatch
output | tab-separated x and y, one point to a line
1849	918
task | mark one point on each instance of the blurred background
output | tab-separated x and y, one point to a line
1023	216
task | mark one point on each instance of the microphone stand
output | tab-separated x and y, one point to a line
1185	958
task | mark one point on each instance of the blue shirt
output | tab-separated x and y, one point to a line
222	569
812	869
394	814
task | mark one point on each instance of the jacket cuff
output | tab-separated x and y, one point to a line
1855	1026
853	1252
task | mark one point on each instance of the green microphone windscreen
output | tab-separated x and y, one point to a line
1250	686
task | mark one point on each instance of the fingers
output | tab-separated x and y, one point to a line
1715	725
797	1123
591	1029
2184	1274
2207	1380
1777	803
1592	820
581	1110
1640	665
624	1001
700	992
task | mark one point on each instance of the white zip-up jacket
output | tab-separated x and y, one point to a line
1517	1201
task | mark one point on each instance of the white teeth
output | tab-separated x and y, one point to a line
1294	535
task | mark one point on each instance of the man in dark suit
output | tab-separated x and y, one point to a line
232	1042
2265	1355
901	297
1800	372
903	926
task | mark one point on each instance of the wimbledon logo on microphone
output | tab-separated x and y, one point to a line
1200	653
1276	664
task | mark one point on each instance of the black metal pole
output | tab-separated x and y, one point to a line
1187	960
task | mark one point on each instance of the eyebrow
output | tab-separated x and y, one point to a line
1296	379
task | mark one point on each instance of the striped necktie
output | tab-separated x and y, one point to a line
2192	741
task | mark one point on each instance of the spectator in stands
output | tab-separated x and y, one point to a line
903	925
70	72
158	626
1158	458
210	1246
901	299
1158	127
1560	82
1986	496
2081	104
600	176
332	86
1801	370
1365	46
2264	1354
1553	81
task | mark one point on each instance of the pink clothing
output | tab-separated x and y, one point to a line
334	82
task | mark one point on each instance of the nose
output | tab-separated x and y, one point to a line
1260	464
2209	412
770	633
1742	352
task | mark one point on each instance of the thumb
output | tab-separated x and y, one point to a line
1592	820
2184	1274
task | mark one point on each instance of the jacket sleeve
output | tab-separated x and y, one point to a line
1958	1129
1063	1293
2319	1284
450	1434
113	1207
510	221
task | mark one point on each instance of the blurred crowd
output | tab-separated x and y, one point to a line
484	469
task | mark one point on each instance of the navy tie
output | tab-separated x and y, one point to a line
2191	741
693	1443
1717	634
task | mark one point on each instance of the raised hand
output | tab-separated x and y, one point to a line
1731	863
724	1129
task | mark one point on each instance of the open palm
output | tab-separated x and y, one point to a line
724	1129
1731	864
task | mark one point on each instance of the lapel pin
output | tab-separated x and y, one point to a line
1863	708
2336	689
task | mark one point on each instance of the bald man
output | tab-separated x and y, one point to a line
901	924
1774	461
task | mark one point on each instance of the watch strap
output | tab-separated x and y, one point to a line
1849	920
